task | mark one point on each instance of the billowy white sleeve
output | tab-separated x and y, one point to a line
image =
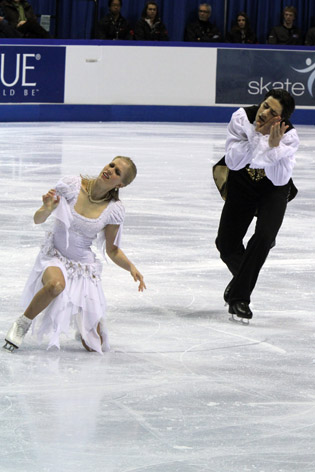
65	188
116	217
244	145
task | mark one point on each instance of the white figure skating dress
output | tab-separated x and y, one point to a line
82	304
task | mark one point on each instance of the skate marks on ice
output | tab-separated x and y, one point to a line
177	324
184	389
174	466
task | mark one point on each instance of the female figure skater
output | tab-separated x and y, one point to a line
66	278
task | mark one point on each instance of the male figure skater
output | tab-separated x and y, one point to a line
260	155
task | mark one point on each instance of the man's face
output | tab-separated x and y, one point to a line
115	7
289	17
151	11
204	13
268	110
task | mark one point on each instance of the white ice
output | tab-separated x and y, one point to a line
183	389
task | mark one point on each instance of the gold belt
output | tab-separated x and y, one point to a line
256	174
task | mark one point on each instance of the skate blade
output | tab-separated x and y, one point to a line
237	319
9	347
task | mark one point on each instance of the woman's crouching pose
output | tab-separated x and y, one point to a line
65	281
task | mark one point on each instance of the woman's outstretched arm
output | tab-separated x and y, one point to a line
119	257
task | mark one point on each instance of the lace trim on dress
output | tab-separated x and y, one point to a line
73	268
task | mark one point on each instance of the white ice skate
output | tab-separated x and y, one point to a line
16	333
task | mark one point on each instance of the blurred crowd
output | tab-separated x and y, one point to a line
18	20
150	27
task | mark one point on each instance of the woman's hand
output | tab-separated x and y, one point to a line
137	277
50	200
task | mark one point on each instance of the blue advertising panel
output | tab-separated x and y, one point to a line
244	76
32	74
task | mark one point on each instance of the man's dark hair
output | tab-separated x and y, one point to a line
286	100
111	1
291	9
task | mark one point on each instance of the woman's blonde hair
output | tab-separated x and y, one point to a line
129	177
131	172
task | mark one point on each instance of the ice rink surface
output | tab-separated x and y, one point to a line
183	389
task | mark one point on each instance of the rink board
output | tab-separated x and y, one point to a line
121	81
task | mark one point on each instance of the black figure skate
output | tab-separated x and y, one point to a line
241	313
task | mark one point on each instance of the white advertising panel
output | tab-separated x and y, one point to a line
133	75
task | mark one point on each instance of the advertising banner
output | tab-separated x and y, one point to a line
244	76
32	74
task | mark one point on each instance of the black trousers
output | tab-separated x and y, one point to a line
245	199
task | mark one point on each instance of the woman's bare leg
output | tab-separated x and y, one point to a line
84	343
54	283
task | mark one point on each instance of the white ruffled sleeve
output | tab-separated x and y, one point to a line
245	145
116	217
278	162
68	186
238	151
66	189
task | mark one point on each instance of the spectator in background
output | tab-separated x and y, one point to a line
20	16
286	33
150	26
202	30
241	32
310	37
113	25
6	31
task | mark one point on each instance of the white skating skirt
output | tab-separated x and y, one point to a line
80	307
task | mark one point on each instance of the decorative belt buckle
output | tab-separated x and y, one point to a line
256	174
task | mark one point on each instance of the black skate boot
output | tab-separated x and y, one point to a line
240	312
